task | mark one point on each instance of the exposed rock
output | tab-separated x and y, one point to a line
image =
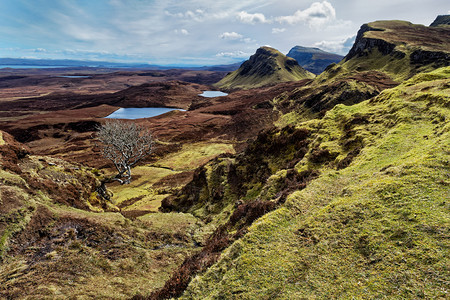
441	20
314	60
399	48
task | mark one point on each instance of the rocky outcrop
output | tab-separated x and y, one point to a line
423	57
399	48
363	45
314	60
442	20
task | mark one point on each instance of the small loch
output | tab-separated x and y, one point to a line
74	76
212	94
139	113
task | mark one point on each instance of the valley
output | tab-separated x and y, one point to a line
290	185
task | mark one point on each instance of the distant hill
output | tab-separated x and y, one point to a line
314	60
107	64
441	21
266	66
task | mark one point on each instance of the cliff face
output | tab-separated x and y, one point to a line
266	66
441	21
400	49
313	59
363	45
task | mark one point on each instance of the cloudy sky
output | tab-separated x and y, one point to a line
196	32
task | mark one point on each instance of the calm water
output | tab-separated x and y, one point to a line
74	76
138	113
212	94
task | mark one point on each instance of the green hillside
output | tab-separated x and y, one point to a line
399	48
375	221
58	239
266	66
347	196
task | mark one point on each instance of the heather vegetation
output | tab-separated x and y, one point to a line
371	227
335	186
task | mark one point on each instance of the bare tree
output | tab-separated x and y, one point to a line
124	144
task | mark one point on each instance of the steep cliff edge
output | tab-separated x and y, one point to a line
314	60
443	20
399	48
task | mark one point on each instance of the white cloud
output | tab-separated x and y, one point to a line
198	15
40	50
247	18
181	31
234	36
317	15
278	30
337	46
231	36
234	54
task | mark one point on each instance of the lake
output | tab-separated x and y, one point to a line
74	76
139	113
212	94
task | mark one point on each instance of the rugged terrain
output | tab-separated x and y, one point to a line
267	66
329	187
313	59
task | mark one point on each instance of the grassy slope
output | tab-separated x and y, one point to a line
407	38
49	249
378	228
141	194
235	80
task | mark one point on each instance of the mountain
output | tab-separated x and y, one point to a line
314	60
352	205
399	48
66	63
442	20
341	191
266	66
347	197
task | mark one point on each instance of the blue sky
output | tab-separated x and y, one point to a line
195	32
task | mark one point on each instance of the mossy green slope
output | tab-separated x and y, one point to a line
376	227
399	48
58	240
266	66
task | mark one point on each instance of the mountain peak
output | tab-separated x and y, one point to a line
312	59
266	66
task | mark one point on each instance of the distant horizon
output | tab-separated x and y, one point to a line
191	33
119	62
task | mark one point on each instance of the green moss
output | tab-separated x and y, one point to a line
2	141
374	229
194	155
12	179
16	221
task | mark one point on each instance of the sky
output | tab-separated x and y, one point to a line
192	32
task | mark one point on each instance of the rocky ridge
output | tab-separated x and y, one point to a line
314	60
267	66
